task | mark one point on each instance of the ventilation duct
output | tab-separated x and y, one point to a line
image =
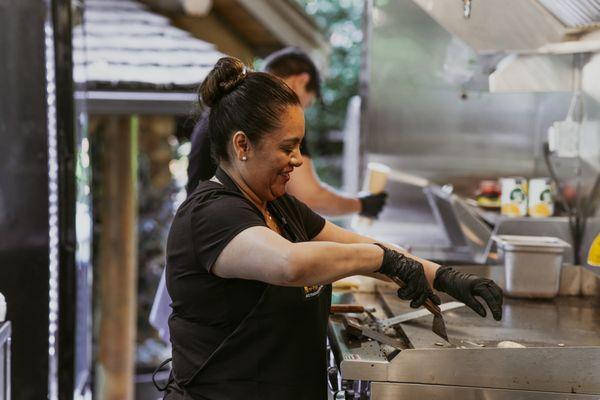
520	26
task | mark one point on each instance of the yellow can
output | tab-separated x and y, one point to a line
513	201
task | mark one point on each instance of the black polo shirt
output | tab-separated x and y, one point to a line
201	166
235	338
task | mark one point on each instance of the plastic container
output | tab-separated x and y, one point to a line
2	308
532	264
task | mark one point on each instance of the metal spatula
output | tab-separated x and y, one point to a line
439	326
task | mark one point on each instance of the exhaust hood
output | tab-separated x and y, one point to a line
520	26
579	14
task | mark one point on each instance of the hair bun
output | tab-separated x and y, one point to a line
225	76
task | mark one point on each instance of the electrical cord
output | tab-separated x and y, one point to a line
574	227
588	206
554	177
578	216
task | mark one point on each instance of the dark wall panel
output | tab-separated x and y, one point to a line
24	191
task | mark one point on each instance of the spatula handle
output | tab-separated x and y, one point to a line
429	304
346	308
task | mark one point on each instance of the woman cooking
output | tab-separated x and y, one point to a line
249	267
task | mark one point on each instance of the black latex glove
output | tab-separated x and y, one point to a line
464	287
372	204
417	289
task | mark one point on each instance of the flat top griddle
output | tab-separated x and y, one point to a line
561	339
565	321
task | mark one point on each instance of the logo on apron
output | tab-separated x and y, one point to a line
312	291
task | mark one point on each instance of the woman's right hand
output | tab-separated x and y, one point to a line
412	273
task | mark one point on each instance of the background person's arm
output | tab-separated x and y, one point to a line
306	187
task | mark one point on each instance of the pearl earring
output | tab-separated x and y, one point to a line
244	158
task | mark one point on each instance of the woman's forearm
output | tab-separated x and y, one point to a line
258	253
312	263
332	232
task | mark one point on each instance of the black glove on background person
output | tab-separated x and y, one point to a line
372	204
417	289
464	287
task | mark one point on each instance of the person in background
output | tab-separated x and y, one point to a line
299	72
249	267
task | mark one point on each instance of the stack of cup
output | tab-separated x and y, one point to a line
377	176
375	182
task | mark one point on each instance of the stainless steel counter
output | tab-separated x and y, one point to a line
568	321
561	358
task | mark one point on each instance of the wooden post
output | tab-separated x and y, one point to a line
154	142
118	261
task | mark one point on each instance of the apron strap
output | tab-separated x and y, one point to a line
169	381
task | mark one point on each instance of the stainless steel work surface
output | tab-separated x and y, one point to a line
561	354
568	321
397	391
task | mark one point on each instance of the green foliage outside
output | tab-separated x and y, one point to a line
340	21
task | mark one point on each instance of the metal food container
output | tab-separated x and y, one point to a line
532	264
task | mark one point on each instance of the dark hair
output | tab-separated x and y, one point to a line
293	61
242	100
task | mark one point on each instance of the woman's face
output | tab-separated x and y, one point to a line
271	161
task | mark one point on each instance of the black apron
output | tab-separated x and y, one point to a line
277	351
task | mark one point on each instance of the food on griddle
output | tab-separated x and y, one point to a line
508	344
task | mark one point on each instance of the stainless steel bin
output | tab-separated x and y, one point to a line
532	264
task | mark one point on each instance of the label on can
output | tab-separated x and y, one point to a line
594	254
513	202
541	201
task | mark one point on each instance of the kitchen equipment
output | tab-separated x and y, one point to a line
438	327
357	329
559	362
532	264
409	316
349	308
465	230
